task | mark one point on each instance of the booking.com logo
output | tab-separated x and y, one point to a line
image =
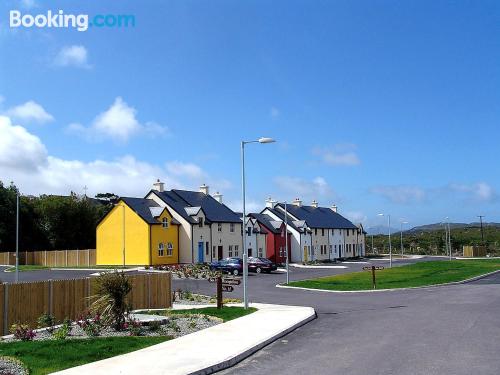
59	19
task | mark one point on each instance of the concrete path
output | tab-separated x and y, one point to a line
209	350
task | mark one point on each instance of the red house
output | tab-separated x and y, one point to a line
276	241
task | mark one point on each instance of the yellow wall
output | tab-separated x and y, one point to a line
141	239
110	238
165	235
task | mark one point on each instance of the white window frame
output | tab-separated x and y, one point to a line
219	227
164	222
170	249
231	227
161	249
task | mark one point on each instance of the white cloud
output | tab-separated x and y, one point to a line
400	194
480	191
29	111
75	55
274	112
19	148
338	155
118	122
28	4
251	205
306	190
185	169
356	216
24	159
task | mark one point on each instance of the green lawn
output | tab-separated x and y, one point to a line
414	275
227	313
26	268
43	357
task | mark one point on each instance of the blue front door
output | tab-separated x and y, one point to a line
200	252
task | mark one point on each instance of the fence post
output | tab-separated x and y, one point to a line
149	290
45	259
51	296
5	308
66	257
26	257
77	257
88	257
88	292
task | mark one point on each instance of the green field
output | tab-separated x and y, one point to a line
44	357
414	275
227	313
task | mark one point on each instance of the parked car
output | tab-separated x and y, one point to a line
261	265
231	265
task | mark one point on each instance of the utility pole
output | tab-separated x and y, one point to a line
482	232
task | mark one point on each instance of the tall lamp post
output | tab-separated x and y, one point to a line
402	248
17	237
286	247
390	244
245	254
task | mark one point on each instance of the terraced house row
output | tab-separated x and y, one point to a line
181	226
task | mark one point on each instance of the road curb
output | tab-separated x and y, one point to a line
475	278
247	353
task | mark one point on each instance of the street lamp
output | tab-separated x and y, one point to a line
448	236
245	254
402	249
390	244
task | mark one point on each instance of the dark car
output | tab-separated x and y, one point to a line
232	265
261	265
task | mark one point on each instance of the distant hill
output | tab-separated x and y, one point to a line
430	238
440	226
380	229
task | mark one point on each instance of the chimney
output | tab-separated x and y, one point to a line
314	203
204	189
270	202
159	186
334	208
218	197
297	202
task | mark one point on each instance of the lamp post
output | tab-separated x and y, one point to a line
402	248
245	255
286	246
123	235
448	237
17	237
390	244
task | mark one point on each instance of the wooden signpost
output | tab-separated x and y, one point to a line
224	284
373	269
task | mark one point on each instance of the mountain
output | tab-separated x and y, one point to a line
441	226
380	229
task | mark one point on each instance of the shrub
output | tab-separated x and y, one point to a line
110	300
22	332
47	320
62	332
91	326
134	327
154	326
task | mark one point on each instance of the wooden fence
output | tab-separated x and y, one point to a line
474	251
51	258
25	302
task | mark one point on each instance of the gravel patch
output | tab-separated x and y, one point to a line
177	325
11	366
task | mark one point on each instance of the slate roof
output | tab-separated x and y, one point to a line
142	207
318	217
179	200
281	215
268	222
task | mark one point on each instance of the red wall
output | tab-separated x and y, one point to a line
274	242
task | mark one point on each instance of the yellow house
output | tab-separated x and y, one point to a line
137	231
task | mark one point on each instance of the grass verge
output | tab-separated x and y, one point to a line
44	357
227	313
414	275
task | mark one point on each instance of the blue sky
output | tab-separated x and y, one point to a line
377	106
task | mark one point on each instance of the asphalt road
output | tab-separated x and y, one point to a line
445	330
